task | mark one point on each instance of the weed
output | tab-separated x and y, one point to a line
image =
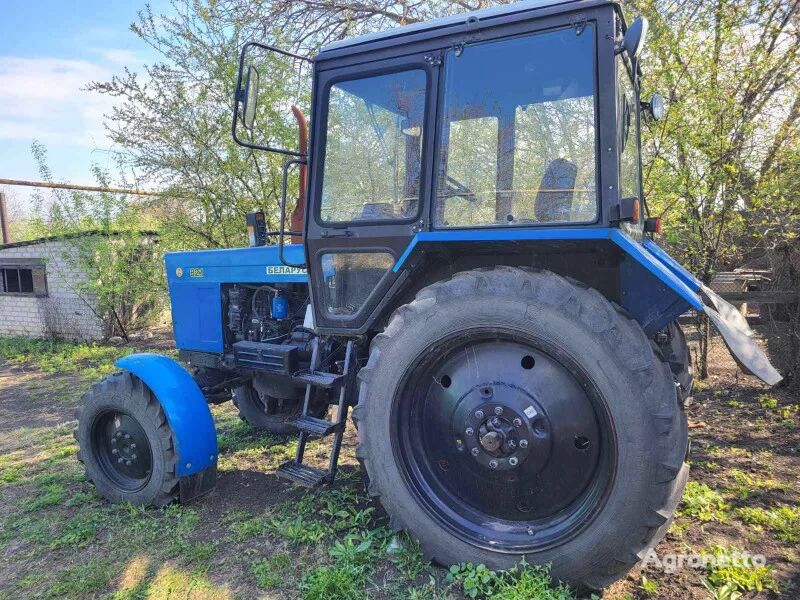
783	521
270	573
768	402
408	557
648	586
300	530
78	531
743	484
10	475
523	582
51	495
58	356
243	526
82	580
733	572
703	503
340	582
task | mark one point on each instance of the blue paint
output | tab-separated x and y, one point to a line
195	286
280	307
654	288
184	405
690	280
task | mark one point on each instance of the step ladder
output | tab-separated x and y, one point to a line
312	427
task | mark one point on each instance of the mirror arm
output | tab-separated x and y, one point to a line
238	99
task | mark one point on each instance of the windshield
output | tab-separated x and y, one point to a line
518	133
373	150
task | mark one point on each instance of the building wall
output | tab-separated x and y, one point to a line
63	312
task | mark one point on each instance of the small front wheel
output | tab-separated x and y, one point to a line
126	443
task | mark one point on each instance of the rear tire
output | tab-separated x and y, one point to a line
126	443
451	503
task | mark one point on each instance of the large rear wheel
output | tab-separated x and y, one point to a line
507	414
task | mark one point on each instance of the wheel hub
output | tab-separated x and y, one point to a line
122	449
499	431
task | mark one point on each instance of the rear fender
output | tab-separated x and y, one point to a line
187	412
730	323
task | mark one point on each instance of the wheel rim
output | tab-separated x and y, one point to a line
121	448
504	440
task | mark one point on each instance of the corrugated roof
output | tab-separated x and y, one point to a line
478	15
69	236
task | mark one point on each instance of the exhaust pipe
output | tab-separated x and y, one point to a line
297	220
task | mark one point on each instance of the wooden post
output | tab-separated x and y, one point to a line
4	219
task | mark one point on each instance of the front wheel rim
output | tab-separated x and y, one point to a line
504	440
122	450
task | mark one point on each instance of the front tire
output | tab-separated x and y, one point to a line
602	469
126	443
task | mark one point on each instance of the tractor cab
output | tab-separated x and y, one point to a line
521	118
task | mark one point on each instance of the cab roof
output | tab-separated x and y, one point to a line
483	17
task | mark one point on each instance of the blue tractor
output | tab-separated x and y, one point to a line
478	282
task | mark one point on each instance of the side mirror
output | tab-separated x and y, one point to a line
249	97
655	108
635	36
261	123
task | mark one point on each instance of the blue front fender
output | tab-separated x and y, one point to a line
185	407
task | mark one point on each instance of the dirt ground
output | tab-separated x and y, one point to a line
257	537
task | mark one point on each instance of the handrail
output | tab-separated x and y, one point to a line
281	235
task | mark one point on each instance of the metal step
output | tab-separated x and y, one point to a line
302	474
318	379
314	426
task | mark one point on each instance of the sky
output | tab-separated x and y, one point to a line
49	51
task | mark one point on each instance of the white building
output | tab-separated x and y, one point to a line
41	295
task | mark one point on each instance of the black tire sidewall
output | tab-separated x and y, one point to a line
120	395
244	397
636	461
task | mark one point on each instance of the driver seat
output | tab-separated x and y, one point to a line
556	194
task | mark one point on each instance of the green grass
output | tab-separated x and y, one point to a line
734	573
704	504
783	521
274	571
58	356
81	580
743	485
523	582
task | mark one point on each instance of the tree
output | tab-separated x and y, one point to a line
731	72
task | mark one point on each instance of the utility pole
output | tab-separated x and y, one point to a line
4	219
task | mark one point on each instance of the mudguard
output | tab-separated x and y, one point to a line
730	323
655	288
188	415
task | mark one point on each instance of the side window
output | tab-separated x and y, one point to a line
373	150
627	133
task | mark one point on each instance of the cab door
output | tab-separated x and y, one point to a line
369	183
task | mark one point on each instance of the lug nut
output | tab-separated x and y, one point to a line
469	431
478	414
512	444
127	436
120	460
513	461
492	464
133	446
114	451
498	410
475	452
133	457
531	531
517	422
127	463
523	443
